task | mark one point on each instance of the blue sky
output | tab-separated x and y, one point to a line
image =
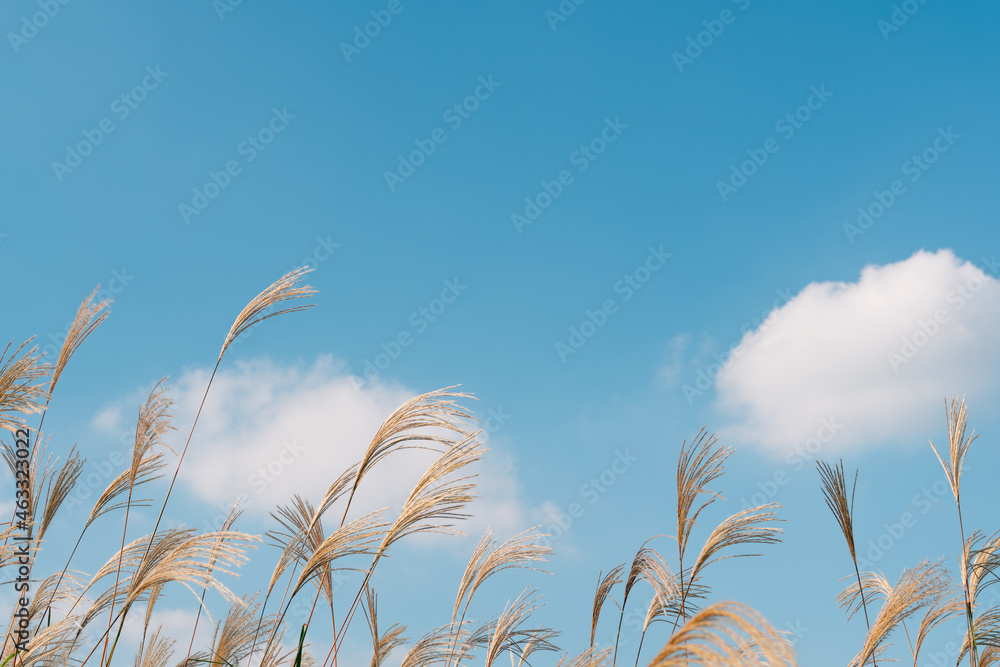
250	140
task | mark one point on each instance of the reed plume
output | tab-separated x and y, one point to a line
158	653
21	392
604	586
383	644
718	635
948	605
698	466
590	658
488	559
88	317
958	448
507	635
285	289
835	494
435	501
437	646
917	587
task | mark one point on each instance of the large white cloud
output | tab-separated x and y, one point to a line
269	431
878	356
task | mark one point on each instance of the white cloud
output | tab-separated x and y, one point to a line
108	420
175	624
878	355
269	431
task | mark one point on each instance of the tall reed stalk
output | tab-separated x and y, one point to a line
958	448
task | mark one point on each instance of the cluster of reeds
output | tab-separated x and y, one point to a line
927	591
76	618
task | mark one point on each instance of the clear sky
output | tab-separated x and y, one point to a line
584	214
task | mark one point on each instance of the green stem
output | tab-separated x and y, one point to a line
117	637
